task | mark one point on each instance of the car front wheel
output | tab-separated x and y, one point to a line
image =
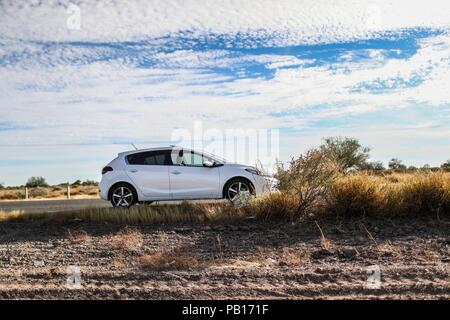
237	186
123	196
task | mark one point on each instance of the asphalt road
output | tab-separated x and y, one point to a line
52	205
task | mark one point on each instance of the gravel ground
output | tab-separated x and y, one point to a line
250	260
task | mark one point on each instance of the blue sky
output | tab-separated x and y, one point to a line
134	71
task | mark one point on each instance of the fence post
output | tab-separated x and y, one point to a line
26	193
68	191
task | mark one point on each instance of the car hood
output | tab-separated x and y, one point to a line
228	164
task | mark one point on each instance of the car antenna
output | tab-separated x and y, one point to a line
134	146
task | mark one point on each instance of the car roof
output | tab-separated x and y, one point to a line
144	150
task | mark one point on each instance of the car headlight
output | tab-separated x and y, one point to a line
254	171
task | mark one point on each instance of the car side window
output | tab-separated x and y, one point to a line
192	159
152	158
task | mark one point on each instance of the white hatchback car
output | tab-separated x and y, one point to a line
173	173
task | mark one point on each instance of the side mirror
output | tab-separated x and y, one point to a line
209	164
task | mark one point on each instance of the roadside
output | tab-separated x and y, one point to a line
52	205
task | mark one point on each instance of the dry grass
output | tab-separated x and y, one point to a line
11	216
55	192
77	236
119	260
422	193
128	239
286	256
167	261
324	242
142	214
292	257
388	249
357	194
274	206
362	194
12	194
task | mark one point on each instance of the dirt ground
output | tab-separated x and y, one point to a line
249	260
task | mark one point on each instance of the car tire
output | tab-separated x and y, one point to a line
123	195
236	185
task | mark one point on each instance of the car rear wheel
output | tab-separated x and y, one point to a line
123	196
236	186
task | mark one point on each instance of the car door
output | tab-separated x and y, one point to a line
190	179
149	171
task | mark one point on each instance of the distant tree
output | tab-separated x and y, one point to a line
426	166
348	151
446	165
2	186
396	164
76	183
412	168
35	182
373	166
90	183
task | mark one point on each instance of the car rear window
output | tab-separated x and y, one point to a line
151	158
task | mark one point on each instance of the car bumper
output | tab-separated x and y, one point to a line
104	188
264	185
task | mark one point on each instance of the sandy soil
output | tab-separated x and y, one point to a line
251	260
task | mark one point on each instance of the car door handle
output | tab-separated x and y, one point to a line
175	172
133	170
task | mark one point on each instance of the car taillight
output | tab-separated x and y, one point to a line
106	169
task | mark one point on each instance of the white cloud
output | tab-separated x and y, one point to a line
284	22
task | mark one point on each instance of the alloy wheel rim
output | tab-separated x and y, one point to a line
237	188
122	197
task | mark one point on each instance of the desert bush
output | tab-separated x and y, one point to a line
308	179
360	194
38	192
